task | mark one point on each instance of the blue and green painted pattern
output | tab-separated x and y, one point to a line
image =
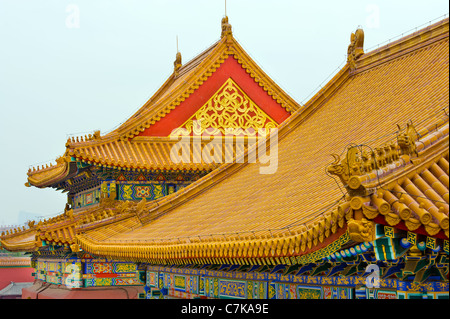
253	285
66	272
140	191
79	273
88	198
109	267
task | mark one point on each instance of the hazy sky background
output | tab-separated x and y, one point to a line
72	67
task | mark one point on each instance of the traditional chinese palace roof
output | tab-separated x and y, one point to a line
142	142
196	91
373	143
374	103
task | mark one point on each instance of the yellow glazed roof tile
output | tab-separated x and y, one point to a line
405	81
355	107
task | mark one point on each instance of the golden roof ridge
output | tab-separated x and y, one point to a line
403	45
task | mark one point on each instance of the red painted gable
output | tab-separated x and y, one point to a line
229	69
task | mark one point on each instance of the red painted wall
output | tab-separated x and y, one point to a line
16	275
41	290
229	69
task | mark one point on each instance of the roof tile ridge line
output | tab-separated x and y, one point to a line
16	234
159	154
316	102
363	66
407	37
191	61
112	136
146	164
179	94
280	96
404	41
150	152
140	157
151	139
103	150
106	157
96	153
163	87
116	156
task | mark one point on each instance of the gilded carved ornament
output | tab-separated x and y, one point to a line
177	63
348	168
75	248
407	140
356	48
108	199
361	230
361	160
229	110
226	27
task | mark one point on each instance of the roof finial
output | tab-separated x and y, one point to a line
226	27
177	64
356	47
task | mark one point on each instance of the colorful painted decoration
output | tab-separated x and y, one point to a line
140	191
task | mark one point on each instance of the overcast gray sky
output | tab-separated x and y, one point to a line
75	66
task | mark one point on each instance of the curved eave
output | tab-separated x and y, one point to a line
58	230
52	175
142	153
20	242
325	237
